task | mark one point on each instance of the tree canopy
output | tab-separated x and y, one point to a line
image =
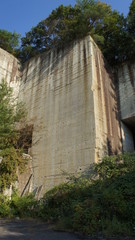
114	33
9	41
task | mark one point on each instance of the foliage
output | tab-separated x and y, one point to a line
131	18
17	206
9	41
91	206
115	165
23	206
67	23
104	206
57	30
11	112
4	206
12	160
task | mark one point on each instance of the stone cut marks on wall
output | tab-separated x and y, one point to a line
10	70
126	77
108	134
70	95
72	105
60	104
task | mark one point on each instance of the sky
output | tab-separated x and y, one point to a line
21	15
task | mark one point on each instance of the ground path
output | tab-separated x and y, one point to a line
33	230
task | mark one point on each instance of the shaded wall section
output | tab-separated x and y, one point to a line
72	105
126	75
107	118
126	78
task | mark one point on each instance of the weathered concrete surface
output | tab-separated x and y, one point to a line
24	183
71	102
107	121
126	78
10	70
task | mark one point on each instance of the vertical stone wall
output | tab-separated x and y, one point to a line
56	87
127	138
107	119
10	70
126	78
72	105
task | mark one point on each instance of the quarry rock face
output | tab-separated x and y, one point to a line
71	102
10	70
126	76
73	106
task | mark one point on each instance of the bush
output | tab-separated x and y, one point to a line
18	206
23	206
115	165
12	159
106	205
4	206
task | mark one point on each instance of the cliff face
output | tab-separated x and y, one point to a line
10	70
72	104
126	76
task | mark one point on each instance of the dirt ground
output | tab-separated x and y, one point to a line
32	230
35	230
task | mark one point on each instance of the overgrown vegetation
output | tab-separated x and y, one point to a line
104	206
17	206
10	42
114	33
11	159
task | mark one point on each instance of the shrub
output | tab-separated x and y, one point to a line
23	206
4	206
105	205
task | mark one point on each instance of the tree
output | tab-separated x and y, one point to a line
59	28
63	25
130	31
92	15
131	18
113	33
107	27
35	41
9	41
10	113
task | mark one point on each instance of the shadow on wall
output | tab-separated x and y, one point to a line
25	138
112	151
49	61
